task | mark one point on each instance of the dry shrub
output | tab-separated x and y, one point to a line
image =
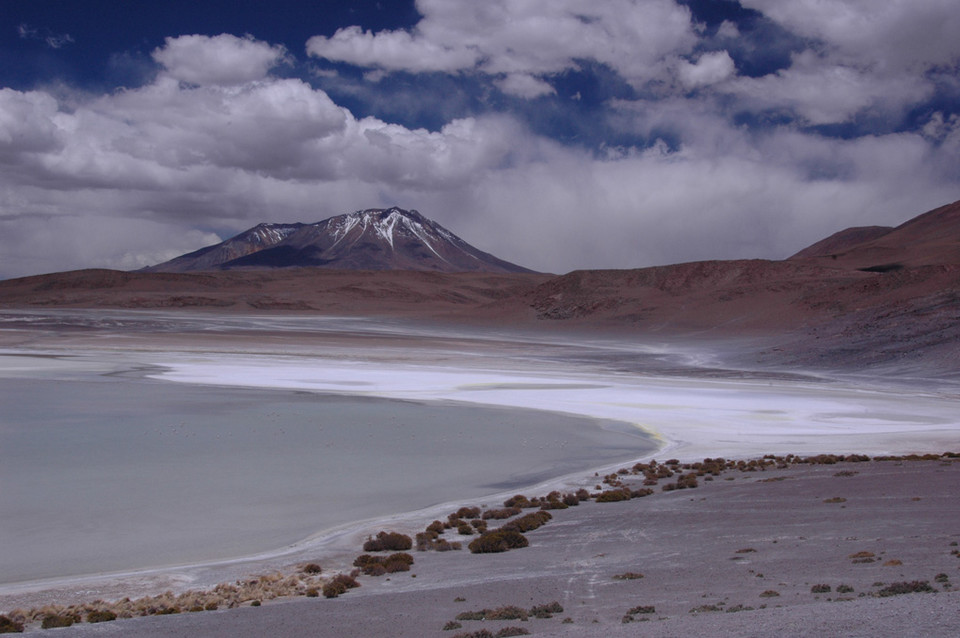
546	611
820	589
528	522
9	626
473	615
389	542
518	500
506	512
613	496
510	612
104	615
51	621
914	587
498	541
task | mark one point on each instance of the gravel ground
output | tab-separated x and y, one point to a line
754	543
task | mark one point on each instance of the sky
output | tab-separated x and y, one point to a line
557	134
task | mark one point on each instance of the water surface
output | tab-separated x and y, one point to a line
104	473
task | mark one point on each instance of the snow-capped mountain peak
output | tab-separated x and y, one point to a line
371	239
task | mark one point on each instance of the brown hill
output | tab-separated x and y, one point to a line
891	297
842	241
929	239
333	292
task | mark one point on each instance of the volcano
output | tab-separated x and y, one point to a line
372	239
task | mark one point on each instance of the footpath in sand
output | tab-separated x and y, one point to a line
808	549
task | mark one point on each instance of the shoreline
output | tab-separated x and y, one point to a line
838	433
746	511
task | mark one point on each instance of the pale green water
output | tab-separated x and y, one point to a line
113	473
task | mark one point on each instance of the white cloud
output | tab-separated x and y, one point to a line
126	178
863	57
710	68
391	50
895	35
824	93
523	37
728	29
524	86
224	59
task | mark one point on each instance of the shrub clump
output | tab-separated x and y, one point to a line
914	587
339	585
528	522
820	589
380	565
546	611
614	495
520	501
509	612
506	632
770	593
311	568
506	512
388	542
101	615
51	621
642	610
499	540
8	626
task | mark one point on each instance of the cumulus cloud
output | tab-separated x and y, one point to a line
524	86
862	57
821	92
217	141
709	69
523	38
391	50
224	59
897	34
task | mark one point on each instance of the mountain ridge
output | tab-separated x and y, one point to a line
881	298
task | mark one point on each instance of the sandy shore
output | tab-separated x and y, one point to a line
739	555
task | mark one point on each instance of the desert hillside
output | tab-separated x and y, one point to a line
864	296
